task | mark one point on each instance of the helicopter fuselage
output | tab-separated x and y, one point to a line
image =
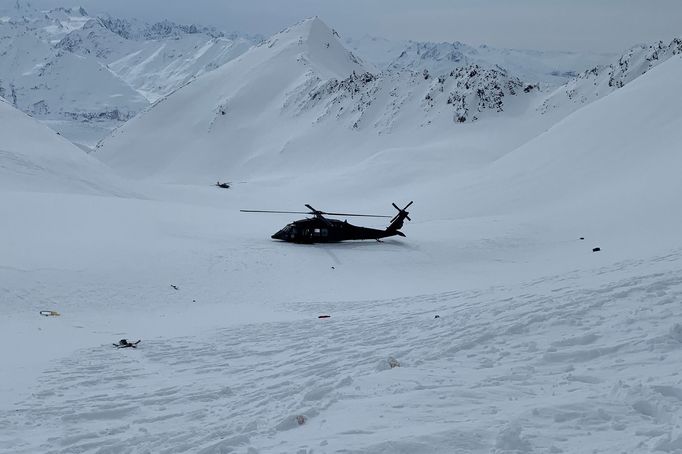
319	229
323	230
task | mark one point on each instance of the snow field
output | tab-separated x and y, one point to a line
540	344
589	358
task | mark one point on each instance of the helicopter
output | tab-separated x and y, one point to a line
319	229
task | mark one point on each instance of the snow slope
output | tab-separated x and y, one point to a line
621	148
160	68
35	158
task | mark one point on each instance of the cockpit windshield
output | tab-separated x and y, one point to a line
287	233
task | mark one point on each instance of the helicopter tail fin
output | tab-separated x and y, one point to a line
398	220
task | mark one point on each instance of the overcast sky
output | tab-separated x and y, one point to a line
583	25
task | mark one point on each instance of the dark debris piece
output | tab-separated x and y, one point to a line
123	343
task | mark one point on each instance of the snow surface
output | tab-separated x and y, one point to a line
540	344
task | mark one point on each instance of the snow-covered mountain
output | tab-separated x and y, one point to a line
86	75
381	101
76	95
304	85
545	67
158	58
320	93
599	81
226	116
46	82
48	25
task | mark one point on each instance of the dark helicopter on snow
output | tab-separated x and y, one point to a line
319	229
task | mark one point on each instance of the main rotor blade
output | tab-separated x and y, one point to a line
272	211
357	215
316	213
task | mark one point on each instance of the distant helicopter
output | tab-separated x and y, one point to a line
319	229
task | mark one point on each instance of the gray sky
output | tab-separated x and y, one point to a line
582	25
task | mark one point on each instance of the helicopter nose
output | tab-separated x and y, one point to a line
277	236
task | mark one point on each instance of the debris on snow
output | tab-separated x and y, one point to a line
124	343
50	313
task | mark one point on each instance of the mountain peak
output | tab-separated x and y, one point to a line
306	26
317	28
309	29
319	45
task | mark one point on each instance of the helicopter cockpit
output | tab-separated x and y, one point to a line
302	233
288	233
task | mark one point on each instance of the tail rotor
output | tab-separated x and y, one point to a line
399	219
402	212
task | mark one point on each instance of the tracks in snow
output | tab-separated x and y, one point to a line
551	366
